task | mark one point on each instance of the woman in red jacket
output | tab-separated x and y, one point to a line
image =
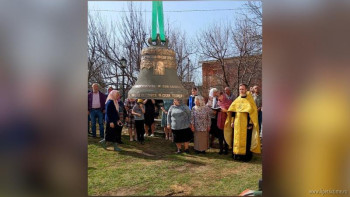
224	103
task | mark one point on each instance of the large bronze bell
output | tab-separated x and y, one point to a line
158	74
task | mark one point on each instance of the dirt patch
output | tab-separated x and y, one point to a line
152	163
179	190
181	168
239	169
185	167
193	168
196	184
200	169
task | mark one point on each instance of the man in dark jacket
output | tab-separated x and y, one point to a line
96	107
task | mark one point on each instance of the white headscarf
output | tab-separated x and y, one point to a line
211	92
212	100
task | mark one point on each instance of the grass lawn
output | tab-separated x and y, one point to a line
155	169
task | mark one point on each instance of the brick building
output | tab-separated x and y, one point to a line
213	77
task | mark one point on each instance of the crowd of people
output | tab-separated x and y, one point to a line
234	120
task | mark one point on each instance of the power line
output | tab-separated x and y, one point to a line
212	10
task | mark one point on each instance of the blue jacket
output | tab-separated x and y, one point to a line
112	114
190	102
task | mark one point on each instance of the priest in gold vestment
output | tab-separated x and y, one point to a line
241	130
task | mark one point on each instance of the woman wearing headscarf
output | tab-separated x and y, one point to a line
200	125
178	121
212	100
112	119
224	103
213	103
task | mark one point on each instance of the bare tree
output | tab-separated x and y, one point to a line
236	49
248	47
133	38
215	44
255	10
123	38
109	70
184	51
254	16
96	63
